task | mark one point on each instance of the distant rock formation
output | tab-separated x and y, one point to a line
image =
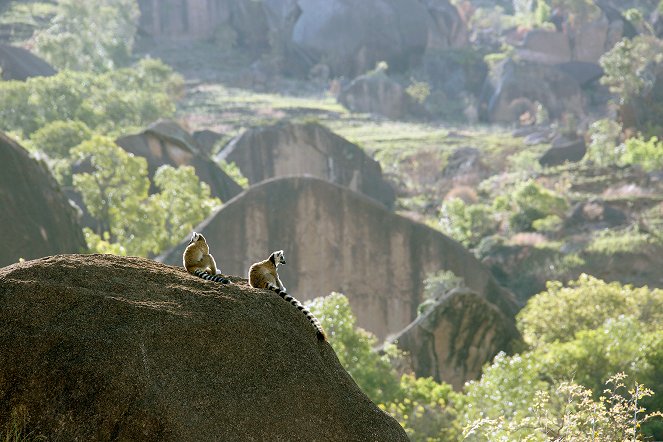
564	149
101	347
165	142
307	149
20	64
514	88
351	37
36	218
243	20
338	240
454	338
376	93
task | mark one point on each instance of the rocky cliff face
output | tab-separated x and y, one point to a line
36	218
100	347
455	336
337	240
165	142
307	149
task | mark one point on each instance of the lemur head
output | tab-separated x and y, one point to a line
197	237
277	258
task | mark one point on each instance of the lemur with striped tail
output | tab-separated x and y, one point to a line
263	275
199	262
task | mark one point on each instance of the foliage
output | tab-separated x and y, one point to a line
116	195
421	405
114	101
571	414
466	223
90	36
57	138
438	285
181	203
16	429
113	192
586	331
418	91
531	202
631	66
585	304
232	170
610	242
603	149
646	153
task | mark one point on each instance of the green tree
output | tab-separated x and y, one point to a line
129	220
112	102
532	202
57	138
421	405
90	36
646	153
467	223
560	312
181	203
113	193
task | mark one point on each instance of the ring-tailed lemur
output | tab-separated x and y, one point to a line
199	262
263	275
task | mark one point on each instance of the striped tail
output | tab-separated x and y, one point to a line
217	278
320	333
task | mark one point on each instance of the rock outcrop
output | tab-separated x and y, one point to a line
307	149
351	37
376	93
456	335
242	21
36	218
100	347
514	88
338	240
165	142
19	64
564	149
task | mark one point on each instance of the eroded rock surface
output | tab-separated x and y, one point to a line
36	218
455	337
100	347
337	240
307	149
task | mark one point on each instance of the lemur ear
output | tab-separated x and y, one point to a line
193	237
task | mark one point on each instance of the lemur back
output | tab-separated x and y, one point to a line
199	262
263	275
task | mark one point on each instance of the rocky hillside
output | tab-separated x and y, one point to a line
338	240
33	223
99	347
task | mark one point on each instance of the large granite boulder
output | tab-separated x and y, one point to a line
351	37
307	149
36	218
544	46
338	240
101	347
454	338
244	20
513	88
564	149
376	93
165	142
19	64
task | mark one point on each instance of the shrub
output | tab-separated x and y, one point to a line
646	153
466	223
90	36
110	102
57	138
